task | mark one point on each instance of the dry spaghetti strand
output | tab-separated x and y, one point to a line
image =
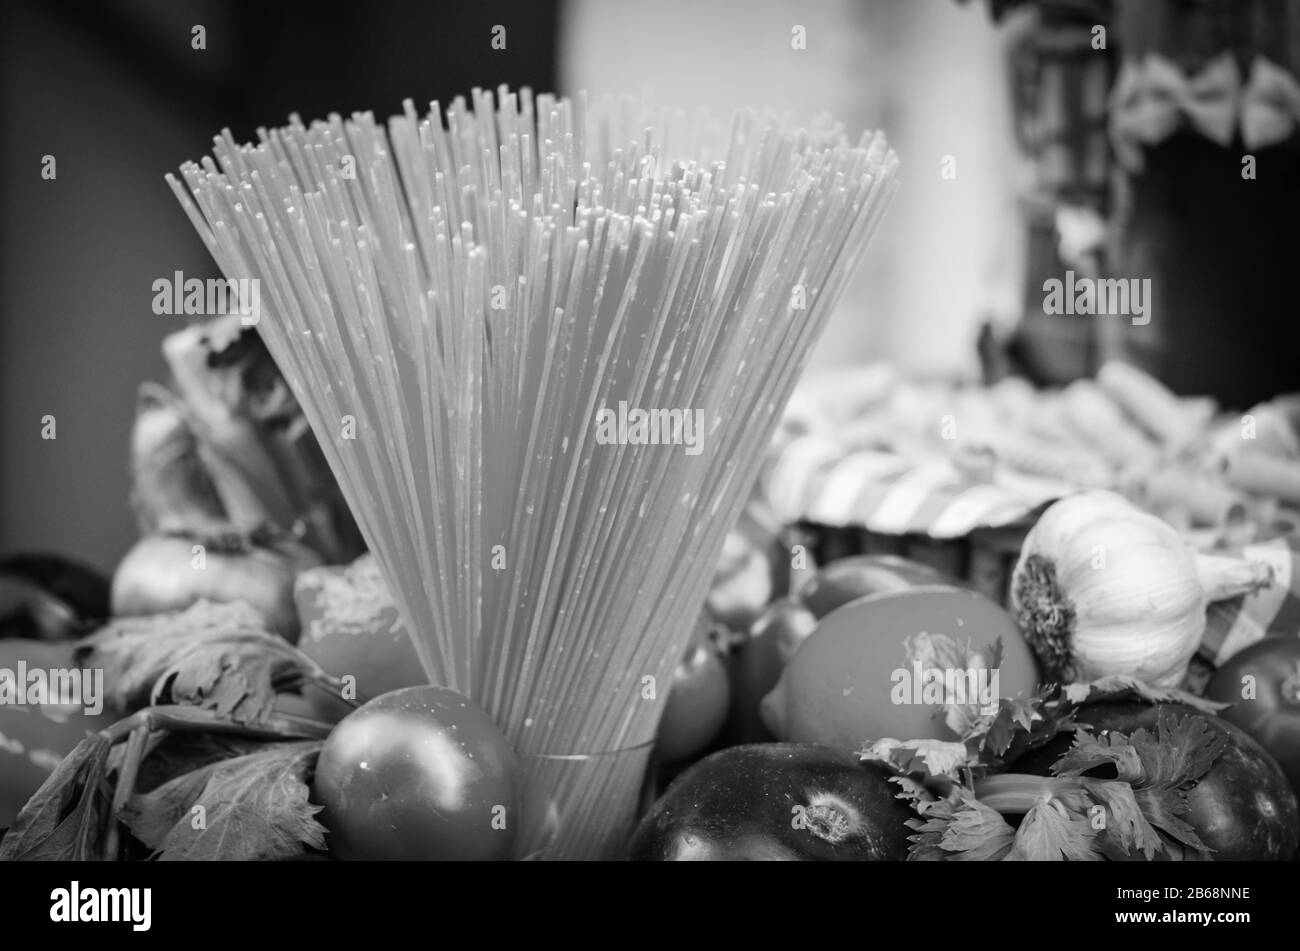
455	298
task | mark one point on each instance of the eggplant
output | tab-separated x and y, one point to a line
49	597
848	579
1243	808
776	802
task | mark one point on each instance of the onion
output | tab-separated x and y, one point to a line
164	573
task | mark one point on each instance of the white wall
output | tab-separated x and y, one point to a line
926	71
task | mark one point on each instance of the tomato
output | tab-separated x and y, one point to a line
851	681
848	579
418	773
757	664
1267	707
1243	808
776	801
697	703
34	738
351	627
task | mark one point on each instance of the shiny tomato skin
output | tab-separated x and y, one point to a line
842	686
1272	715
839	582
420	773
697	703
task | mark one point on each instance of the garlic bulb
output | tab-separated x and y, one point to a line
1104	588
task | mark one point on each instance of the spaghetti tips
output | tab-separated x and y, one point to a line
543	348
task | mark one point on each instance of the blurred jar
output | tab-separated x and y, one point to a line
1204	84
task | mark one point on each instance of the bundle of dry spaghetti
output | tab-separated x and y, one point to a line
543	347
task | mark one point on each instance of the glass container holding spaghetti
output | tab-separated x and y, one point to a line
458	301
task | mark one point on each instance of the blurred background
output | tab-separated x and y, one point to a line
999	113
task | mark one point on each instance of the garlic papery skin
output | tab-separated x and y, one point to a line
1103	588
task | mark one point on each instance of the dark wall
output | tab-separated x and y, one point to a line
114	91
